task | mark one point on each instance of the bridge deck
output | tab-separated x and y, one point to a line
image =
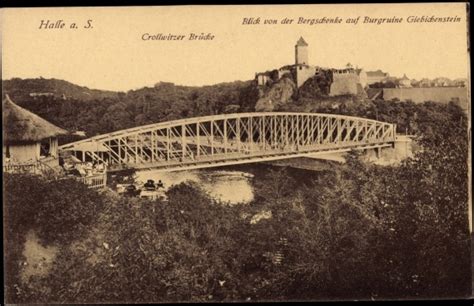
219	160
232	139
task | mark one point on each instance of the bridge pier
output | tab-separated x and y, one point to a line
402	149
378	153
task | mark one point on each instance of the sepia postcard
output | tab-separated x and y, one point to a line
205	153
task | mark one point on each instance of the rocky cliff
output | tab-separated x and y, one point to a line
275	96
316	92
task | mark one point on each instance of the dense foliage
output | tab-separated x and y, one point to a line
58	211
359	231
426	119
103	113
317	86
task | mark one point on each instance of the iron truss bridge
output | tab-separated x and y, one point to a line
230	139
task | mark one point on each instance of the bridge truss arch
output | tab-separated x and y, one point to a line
228	139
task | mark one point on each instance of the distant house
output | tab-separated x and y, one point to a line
460	82
426	83
442	82
405	81
376	76
29	142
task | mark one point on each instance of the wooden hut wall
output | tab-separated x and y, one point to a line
25	152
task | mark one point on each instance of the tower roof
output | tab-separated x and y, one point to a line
21	125
301	42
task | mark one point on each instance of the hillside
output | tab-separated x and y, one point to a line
74	107
109	111
23	89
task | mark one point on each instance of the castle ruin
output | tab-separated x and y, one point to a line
344	81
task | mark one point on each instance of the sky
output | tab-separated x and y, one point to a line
112	55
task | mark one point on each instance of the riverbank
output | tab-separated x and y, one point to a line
304	163
228	184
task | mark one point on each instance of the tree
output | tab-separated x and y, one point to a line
59	212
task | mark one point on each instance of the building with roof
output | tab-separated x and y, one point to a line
376	76
460	82
443	82
405	81
29	141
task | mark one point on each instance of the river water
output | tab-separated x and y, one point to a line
230	184
224	185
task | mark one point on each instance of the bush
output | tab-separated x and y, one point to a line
359	231
59	211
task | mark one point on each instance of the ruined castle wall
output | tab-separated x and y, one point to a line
436	94
303	73
343	84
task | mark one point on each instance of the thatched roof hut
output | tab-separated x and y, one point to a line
22	126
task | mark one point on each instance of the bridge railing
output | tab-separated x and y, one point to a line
49	168
96	181
33	167
231	136
44	166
